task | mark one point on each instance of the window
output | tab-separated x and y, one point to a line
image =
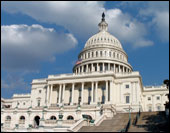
39	91
127	86
52	118
150	108
149	98
100	53
158	98
158	108
38	104
70	117
24	103
96	54
127	99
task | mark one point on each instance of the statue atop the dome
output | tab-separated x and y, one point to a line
103	25
103	16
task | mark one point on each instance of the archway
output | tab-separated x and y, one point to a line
70	117
37	121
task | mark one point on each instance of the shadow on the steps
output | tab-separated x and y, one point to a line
155	122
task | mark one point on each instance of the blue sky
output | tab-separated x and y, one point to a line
43	38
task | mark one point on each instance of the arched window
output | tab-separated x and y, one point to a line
8	118
109	54
22	120
96	54
52	118
70	117
100	53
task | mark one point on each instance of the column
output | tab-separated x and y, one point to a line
79	69
161	102
59	100
114	68
111	91
120	93
103	67
82	90
106	92
92	86
64	86
97	67
48	89
108	66
92	69
153	103
87	68
96	96
72	98
132	101
51	94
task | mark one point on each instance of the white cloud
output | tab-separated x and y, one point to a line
159	12
24	47
81	18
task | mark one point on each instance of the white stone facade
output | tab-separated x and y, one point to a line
102	82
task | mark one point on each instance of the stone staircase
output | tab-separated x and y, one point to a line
147	122
116	124
150	122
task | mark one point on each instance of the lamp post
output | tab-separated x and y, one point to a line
129	109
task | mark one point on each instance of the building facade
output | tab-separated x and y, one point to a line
102	82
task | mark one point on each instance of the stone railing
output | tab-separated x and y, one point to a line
99	120
50	121
79	124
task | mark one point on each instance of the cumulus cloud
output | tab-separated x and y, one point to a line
81	19
24	47
127	29
159	12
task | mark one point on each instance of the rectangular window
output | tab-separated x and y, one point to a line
38	103
149	98
39	91
127	99
158	98
127	86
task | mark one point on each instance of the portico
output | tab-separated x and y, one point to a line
88	93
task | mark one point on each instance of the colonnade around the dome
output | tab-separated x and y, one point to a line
101	67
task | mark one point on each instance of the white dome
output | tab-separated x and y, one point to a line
103	38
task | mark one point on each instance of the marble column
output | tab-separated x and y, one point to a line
161	102
82	90
153	106
92	98
111	91
114	68
63	97
72	98
108	66
92	67
87	68
106	101
96	96
103	67
48	89
51	94
97	67
59	99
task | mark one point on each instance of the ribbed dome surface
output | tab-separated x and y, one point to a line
103	37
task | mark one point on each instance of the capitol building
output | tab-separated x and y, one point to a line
102	84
